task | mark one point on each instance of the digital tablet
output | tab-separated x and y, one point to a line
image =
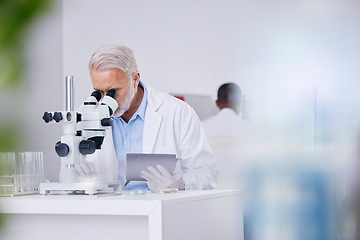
136	162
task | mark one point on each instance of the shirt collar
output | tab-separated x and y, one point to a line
142	108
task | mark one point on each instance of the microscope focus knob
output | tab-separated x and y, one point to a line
58	116
47	117
87	147
62	149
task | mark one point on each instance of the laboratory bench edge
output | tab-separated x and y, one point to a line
157	216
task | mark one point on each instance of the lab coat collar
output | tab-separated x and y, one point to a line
228	111
154	99
152	121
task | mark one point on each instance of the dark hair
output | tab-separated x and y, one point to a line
229	93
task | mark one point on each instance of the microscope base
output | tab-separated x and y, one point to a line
86	187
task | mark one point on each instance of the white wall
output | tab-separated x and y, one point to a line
273	49
270	48
42	89
177	43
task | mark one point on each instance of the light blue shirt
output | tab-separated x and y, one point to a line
128	138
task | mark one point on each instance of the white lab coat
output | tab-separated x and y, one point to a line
170	126
226	123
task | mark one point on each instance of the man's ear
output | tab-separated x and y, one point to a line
136	78
217	103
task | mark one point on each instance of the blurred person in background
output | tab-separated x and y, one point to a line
227	122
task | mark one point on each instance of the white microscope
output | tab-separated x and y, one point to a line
83	134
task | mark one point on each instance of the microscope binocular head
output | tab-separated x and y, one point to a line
84	129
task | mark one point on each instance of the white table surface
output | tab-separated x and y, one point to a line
159	214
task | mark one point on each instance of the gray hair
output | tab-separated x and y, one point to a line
114	56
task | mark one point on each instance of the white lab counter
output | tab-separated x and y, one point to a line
213	214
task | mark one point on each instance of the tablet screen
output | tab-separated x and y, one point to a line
136	162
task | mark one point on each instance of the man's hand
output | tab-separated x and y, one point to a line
159	178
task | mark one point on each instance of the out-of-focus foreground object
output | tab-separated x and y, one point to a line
21	173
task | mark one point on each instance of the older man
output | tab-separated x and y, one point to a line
147	121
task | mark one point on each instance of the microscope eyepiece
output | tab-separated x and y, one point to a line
111	93
97	95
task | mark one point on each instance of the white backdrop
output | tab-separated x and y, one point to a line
194	46
277	51
180	46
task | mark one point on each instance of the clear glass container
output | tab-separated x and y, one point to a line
21	173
